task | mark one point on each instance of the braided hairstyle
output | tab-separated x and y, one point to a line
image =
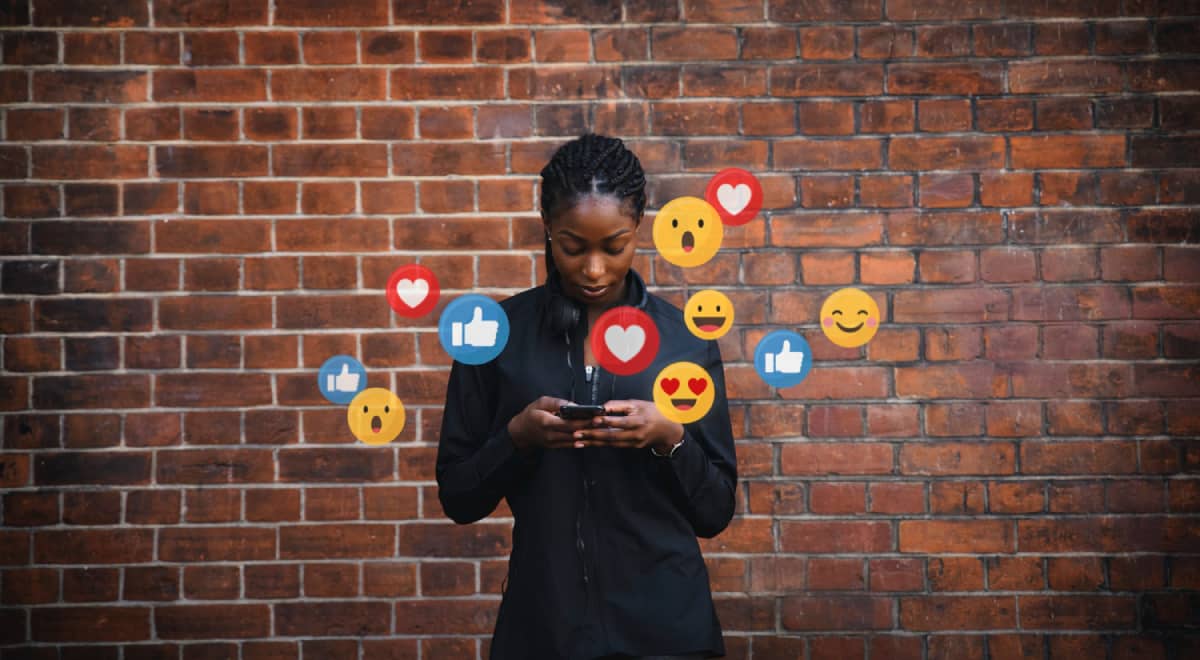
591	165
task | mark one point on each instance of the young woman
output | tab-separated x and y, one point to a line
605	561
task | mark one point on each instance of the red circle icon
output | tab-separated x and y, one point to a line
624	340
413	290
735	194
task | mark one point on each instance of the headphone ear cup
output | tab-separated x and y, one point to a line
564	314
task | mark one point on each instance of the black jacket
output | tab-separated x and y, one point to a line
604	552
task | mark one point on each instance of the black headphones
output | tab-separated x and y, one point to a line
562	312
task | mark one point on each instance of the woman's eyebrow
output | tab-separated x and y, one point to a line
570	234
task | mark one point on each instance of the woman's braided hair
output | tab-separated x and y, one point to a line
592	165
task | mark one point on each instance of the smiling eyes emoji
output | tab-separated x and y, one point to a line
850	318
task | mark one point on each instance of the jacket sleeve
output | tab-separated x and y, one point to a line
476	465
705	467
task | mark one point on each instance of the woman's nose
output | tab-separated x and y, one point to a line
593	267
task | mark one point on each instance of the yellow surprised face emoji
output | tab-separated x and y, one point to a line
375	416
708	314
850	317
683	392
687	231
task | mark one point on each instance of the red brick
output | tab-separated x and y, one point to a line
835	536
329	47
324	14
885	42
958	613
836	458
959	536
826	10
796	80
1064	151
1065	226
913	153
945	78
1089	76
94	546
208	621
887	116
893	497
210	85
946	190
826	43
266	124
886	191
91	624
803	154
944	115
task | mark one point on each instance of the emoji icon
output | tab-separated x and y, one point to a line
375	416
735	194
687	231
413	290
683	392
708	314
624	340
473	329
783	358
849	317
340	378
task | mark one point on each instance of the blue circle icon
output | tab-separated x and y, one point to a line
783	358
341	378
473	329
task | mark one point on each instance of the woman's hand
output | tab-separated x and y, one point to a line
539	425
641	426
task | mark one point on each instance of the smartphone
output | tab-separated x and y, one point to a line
572	411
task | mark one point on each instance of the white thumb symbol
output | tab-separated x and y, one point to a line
787	346
478	315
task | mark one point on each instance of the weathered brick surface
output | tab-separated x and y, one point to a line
202	200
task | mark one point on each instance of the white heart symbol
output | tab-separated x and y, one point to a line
734	199
625	343
412	292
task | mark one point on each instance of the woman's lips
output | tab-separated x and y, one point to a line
593	292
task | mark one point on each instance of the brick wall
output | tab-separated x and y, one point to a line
203	200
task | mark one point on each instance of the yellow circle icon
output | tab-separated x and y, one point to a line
850	317
708	314
687	231
683	392
375	416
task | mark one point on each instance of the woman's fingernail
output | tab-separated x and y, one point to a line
579	445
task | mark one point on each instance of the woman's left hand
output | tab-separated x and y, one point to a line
642	425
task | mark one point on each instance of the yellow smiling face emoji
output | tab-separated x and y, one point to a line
375	416
687	231
683	392
708	314
850	317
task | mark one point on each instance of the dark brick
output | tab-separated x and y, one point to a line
92	468
31	277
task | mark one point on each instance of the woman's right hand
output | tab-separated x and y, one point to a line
539	425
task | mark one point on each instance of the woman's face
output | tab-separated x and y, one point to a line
593	244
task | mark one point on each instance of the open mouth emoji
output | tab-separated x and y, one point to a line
375	416
687	231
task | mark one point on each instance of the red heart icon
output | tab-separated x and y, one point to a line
697	385
669	385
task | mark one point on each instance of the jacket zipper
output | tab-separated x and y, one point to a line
586	498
